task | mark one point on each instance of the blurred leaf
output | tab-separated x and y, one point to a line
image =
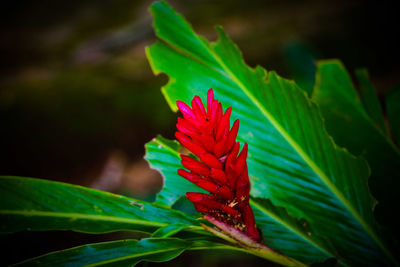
352	127
34	205
292	160
280	230
370	99
393	112
300	61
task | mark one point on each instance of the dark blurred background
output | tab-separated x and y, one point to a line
78	100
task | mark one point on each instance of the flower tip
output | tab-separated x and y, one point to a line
185	109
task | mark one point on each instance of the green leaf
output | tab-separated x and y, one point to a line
359	130
161	153
34	204
393	112
370	99
280	230
130	252
289	234
114	253
169	230
300	60
292	160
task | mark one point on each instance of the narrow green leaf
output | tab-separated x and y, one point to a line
169	230
34	204
280	230
370	99
114	253
352	127
126	252
292	160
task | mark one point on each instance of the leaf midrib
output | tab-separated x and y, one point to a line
323	177
94	217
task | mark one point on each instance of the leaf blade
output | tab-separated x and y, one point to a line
37	205
370	99
114	253
354	127
330	180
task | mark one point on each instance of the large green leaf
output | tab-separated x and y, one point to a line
281	231
358	127
34	204
292	160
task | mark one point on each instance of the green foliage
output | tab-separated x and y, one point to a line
37	205
292	160
310	197
393	112
300	60
169	230
162	154
370	100
356	122
115	253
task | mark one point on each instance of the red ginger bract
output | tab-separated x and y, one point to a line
220	171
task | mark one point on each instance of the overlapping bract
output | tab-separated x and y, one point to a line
219	170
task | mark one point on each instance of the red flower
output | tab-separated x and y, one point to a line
219	169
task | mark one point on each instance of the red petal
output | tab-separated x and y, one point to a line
189	144
241	160
206	205
232	136
210	100
197	197
201	126
248	218
185	109
199	181
185	127
214	115
219	116
195	166
211	161
205	140
196	102
243	186
232	156
223	124
218	175
219	148
224	192
231	178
